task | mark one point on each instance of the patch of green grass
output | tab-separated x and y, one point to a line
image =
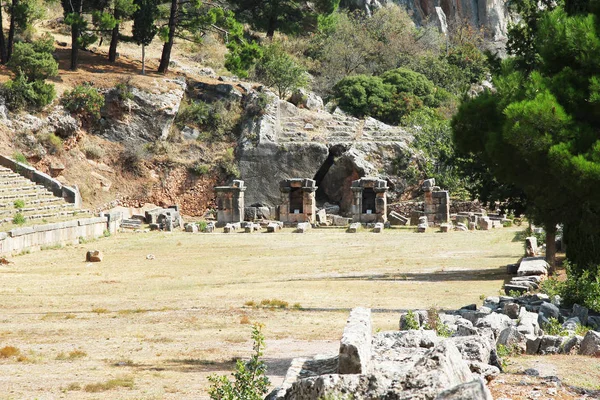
19	219
126	382
19	203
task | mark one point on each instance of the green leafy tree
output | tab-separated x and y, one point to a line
539	131
144	25
288	16
190	20
249	378
278	69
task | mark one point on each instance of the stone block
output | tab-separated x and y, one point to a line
580	312
397	219
423	220
590	345
445	228
273	227
191	228
460	227
210	227
340	221
485	224
533	266
378	228
355	346
475	390
422	228
353	228
302	227
512	269
532	345
94	256
531	246
231	228
472	226
322	217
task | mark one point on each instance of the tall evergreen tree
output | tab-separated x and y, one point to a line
144	25
121	9
541	129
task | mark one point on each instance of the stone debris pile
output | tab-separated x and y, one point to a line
415	364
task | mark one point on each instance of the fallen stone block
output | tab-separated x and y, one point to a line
445	228
273	227
590	345
303	227
322	217
210	227
191	228
533	266
423	220
353	228
336	220
355	346
485	223
460	227
230	228
397	219
422	228
378	228
94	256
475	390
531	246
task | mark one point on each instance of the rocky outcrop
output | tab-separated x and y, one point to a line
334	149
146	117
491	15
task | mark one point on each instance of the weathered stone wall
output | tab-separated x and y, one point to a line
35	237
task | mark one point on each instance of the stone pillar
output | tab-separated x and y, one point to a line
230	203
299	191
437	203
378	187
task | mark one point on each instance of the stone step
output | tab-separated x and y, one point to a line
6	175
24	196
20	188
14	182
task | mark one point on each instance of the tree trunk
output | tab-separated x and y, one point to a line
551	247
114	40
271	26
11	30
3	56
112	50
74	46
143	60
165	58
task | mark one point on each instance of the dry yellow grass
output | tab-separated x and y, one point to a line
188	302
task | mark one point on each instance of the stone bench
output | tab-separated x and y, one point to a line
378	228
251	227
274	227
231	227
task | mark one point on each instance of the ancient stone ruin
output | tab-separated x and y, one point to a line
369	203
437	203
298	202
230	203
409	364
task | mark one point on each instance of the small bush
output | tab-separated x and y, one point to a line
410	321
124	92
202	225
20	158
217	120
554	327
18	219
228	165
19	203
53	143
274	303
250	380
93	151
20	93
277	69
83	100
9	351
132	161
33	60
434	322
199	169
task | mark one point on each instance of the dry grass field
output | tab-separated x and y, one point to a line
138	328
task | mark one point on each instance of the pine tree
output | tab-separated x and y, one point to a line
144	27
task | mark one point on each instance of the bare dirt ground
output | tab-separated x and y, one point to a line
165	324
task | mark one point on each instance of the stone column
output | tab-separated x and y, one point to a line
230	203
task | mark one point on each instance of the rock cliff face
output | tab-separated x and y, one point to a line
491	15
332	148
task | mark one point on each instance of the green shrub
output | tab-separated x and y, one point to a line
93	151
228	165
33	60
124	92
554	327
53	143
242	56
388	97
277	69
434	322
410	321
249	378
20	93
202	225
20	158
216	120
18	219
199	169
84	100
19	204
